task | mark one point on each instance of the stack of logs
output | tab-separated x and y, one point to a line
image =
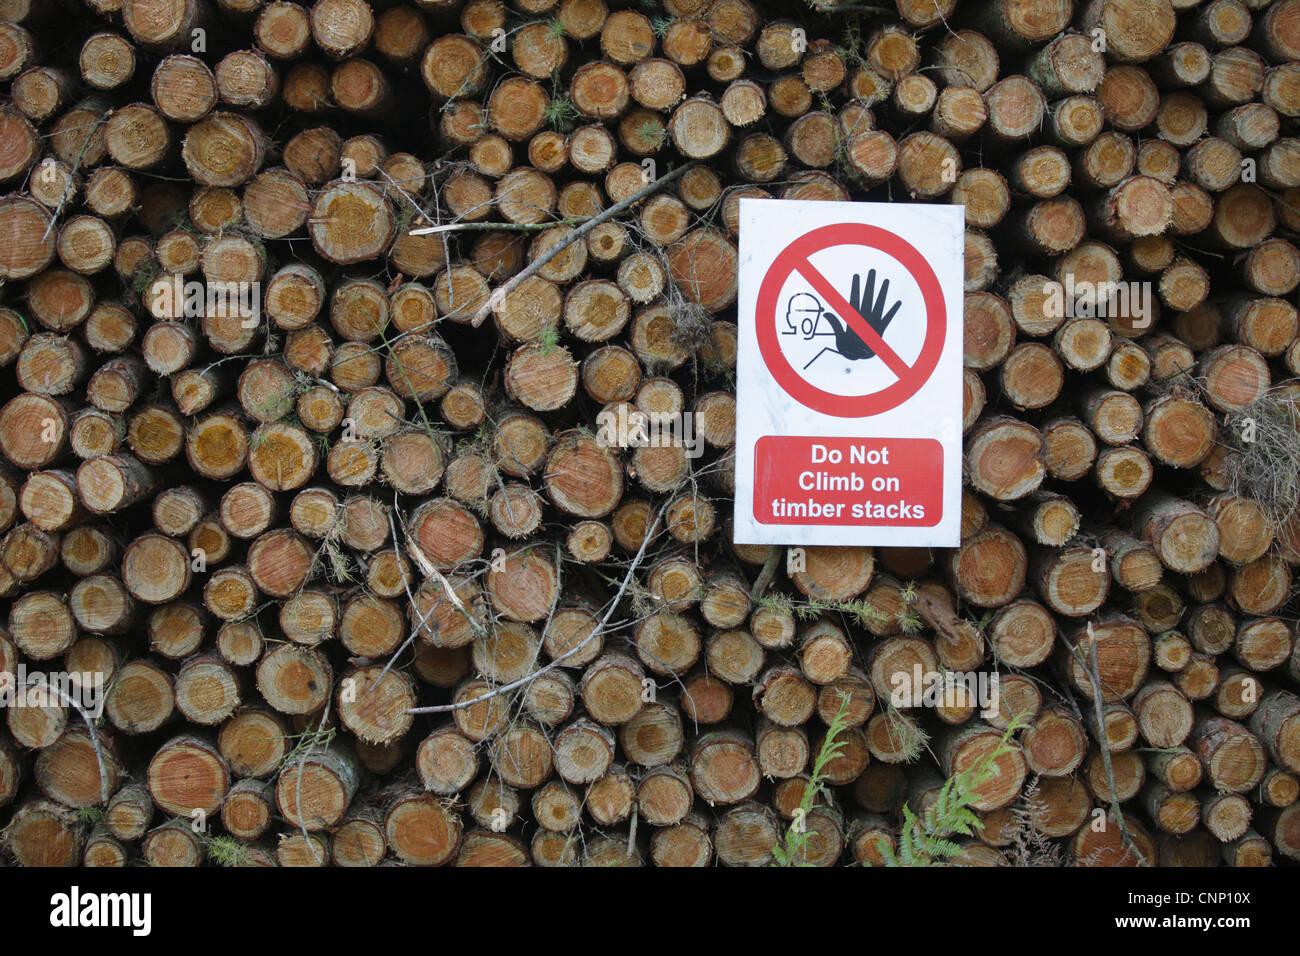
365	576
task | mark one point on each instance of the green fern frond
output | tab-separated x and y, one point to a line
925	840
793	850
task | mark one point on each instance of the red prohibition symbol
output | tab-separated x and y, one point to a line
908	378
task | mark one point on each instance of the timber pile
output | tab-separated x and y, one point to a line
242	525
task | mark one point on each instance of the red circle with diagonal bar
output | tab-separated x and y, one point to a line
910	378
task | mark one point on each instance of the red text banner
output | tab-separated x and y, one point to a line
869	482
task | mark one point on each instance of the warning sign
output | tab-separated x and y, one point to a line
798	329
849	389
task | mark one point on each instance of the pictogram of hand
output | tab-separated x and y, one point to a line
872	309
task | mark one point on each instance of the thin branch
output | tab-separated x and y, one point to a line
413	548
767	574
502	291
415	631
577	648
1094	677
104	794
829	8
500	226
67	193
302	760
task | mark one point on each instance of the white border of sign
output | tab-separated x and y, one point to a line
767	227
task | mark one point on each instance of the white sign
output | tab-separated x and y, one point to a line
849	389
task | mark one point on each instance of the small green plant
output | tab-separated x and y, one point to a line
307	742
226	851
90	816
555	28
180	220
652	131
927	840
793	850
862	612
561	114
479	442
144	277
660	25
776	601
909	622
406	219
852	47
548	340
